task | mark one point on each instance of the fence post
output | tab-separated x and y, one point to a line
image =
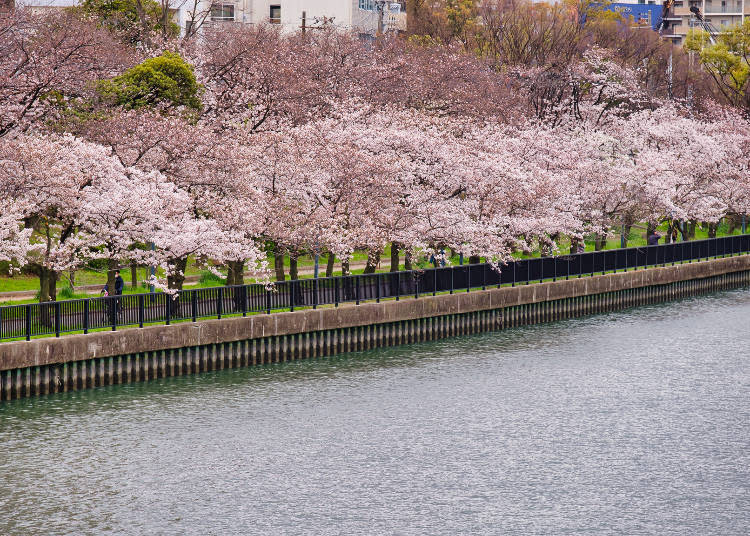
268	301
336	291
219	302
141	310
451	269
377	288
57	319
434	281
291	296
244	300
316	292
398	285
194	305
113	311
28	322
484	276
167	308
356	287
86	309
513	284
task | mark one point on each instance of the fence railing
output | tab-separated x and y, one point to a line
54	318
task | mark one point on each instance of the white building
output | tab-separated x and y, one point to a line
355	15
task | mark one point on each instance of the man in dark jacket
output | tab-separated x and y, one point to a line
119	283
653	239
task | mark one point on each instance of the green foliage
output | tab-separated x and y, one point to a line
66	293
209	278
727	61
461	15
166	80
132	18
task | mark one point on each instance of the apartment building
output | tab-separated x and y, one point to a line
719	13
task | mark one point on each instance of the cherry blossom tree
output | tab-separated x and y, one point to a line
47	61
50	173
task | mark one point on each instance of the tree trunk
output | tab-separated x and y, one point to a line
53	277
474	259
373	258
235	273
329	264
395	261
345	267
229	281
712	228
626	228
47	293
293	270
47	283
72	277
278	263
600	242
407	260
177	279
111	267
133	275
682	227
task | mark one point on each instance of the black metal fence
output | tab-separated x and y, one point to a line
54	318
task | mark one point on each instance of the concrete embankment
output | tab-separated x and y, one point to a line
43	366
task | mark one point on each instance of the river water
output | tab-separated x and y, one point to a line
635	422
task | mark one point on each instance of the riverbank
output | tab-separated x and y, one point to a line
49	365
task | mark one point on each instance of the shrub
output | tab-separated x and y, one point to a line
209	278
166	80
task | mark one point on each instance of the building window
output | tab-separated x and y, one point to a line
274	14
724	23
367	5
222	12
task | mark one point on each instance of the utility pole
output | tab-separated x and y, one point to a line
380	6
304	22
669	73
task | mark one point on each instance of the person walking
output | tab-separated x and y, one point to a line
119	283
653	239
119	286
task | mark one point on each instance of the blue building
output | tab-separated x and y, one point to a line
641	14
